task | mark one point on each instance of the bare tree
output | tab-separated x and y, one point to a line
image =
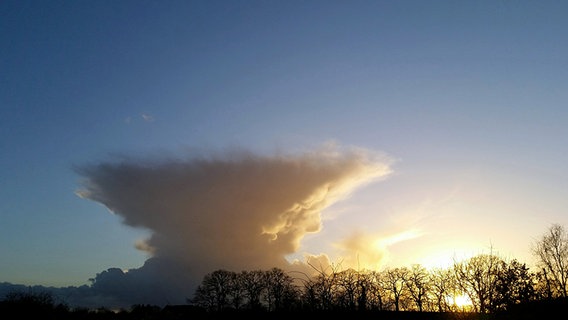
376	290
365	287
280	290
477	277
552	254
215	290
254	285
347	289
442	284
321	289
418	284
395	283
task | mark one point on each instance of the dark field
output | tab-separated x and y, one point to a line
188	312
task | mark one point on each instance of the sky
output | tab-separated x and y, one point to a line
146	140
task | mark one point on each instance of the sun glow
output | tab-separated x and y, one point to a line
460	301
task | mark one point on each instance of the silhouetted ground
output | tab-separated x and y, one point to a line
184	315
537	311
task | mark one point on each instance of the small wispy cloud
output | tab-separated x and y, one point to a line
146	117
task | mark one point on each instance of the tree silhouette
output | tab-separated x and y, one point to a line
418	284
281	294
253	284
515	285
442	286
33	305
395	281
477	277
215	290
492	284
552	254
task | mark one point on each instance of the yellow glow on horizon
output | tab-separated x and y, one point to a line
444	256
439	260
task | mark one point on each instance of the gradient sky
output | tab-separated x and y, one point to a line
465	101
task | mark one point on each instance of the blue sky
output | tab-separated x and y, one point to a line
468	99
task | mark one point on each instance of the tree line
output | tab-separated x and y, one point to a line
489	283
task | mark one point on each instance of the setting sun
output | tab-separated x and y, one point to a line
461	302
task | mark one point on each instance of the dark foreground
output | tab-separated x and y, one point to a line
18	310
182	313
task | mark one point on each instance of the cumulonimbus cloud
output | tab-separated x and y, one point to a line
235	210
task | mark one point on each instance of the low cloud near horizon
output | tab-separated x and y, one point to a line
236	210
